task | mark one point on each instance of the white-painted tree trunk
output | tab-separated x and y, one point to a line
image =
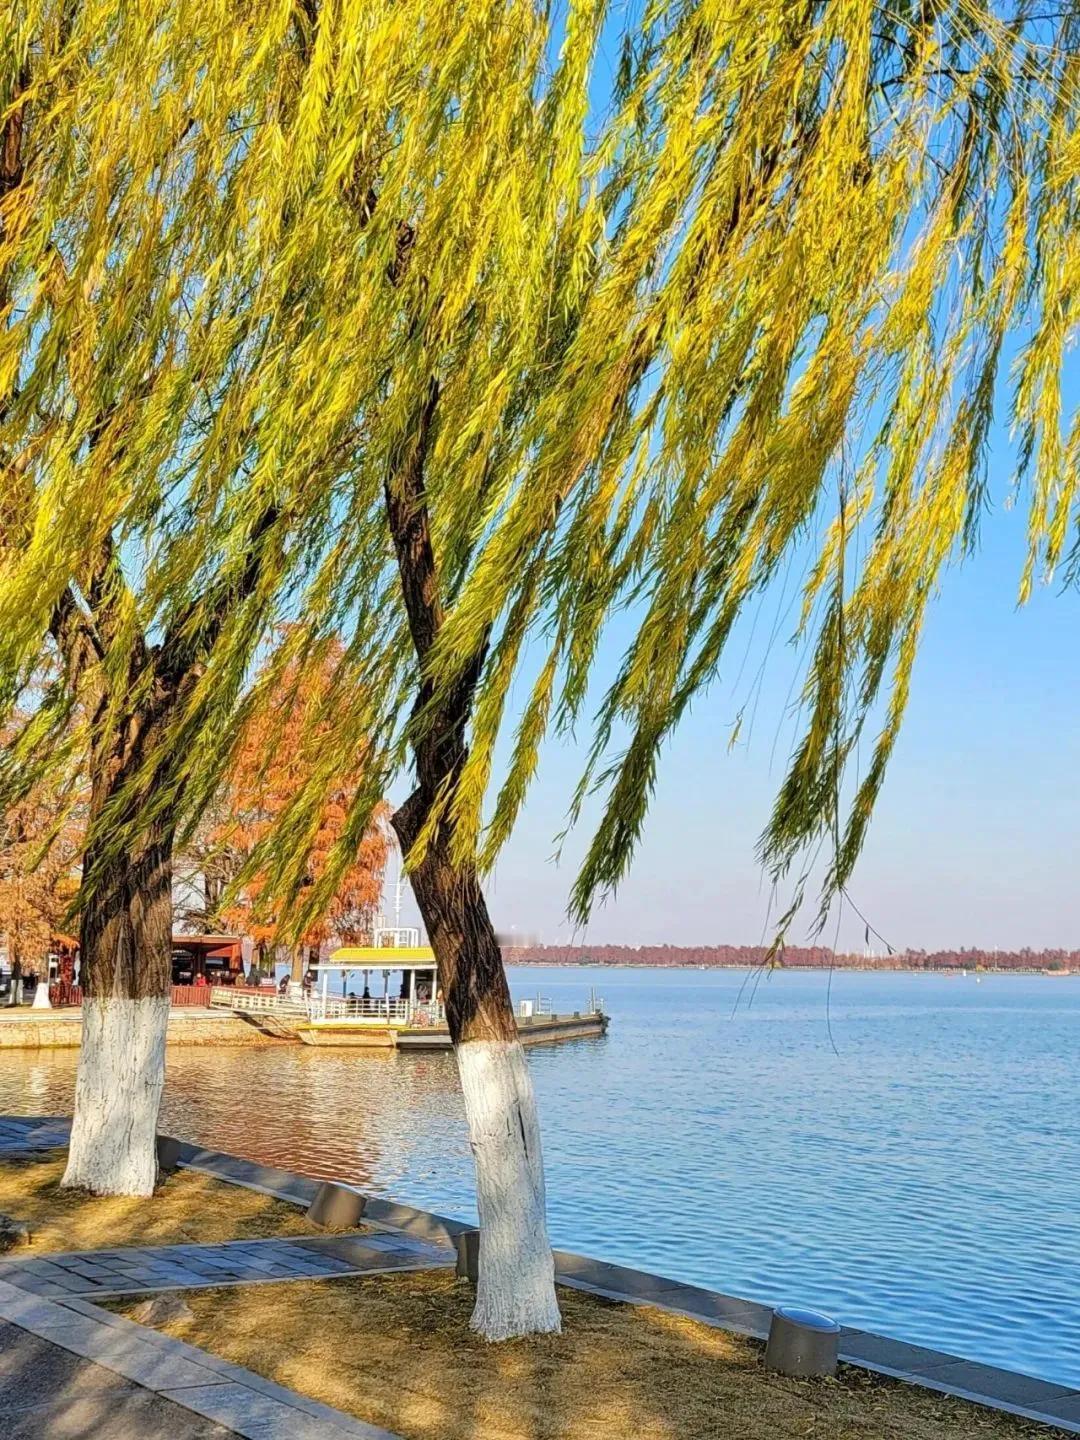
515	1293
121	1074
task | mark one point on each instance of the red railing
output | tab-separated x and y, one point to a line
65	994
191	995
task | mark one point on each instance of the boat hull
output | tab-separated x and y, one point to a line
539	1030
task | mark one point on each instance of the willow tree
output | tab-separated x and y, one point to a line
118	353
550	352
762	305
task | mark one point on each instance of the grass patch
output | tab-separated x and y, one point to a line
396	1351
187	1208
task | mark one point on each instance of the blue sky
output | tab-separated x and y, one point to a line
977	833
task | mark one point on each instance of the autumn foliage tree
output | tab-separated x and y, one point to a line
41	840
270	768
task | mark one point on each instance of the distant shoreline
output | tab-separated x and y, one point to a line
1049	964
791	969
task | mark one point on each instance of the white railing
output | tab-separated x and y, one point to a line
382	1010
379	1011
341	1007
236	997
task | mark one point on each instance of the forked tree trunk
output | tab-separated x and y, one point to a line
515	1292
126	954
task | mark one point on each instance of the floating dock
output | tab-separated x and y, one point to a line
532	1030
412	1018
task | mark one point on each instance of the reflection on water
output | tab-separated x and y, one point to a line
922	1182
374	1118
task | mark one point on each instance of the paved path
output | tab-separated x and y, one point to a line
47	1391
69	1368
145	1269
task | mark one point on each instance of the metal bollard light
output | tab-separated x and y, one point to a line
337	1207
468	1255
802	1343
168	1154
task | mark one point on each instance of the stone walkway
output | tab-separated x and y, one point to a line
145	1269
70	1368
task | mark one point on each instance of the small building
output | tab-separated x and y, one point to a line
218	959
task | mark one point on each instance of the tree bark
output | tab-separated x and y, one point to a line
126	910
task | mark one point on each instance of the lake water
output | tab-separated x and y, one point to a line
903	1153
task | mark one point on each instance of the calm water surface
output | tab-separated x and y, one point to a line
922	1179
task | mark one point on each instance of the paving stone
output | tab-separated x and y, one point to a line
24	1307
74	1305
133	1357
233	1404
88	1271
263	1416
714	1306
35	1286
40	1315
1064	1410
725	1311
46	1269
32	1371
618	1278
112	1414
257	1267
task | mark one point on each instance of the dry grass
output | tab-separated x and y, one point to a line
396	1351
186	1208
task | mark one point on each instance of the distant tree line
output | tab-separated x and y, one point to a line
793	957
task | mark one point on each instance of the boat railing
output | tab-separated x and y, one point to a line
379	1010
344	1007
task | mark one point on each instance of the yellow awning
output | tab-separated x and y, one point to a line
382	957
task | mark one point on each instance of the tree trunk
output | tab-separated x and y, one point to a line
15	996
515	1293
126	970
297	968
